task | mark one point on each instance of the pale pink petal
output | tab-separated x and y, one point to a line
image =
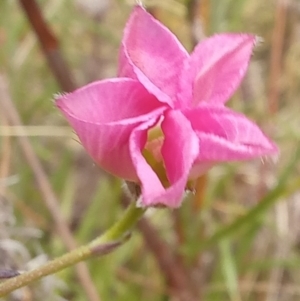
179	150
226	136
215	68
151	53
104	114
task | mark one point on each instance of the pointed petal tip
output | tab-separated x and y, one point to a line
238	37
258	41
272	154
139	5
59	97
275	156
274	150
219	64
266	148
151	53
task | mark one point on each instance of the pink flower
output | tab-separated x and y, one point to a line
163	121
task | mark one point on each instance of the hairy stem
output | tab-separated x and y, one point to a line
102	245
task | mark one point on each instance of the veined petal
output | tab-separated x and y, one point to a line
152	54
215	68
226	136
179	150
103	114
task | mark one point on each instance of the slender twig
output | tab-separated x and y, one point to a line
170	262
175	274
197	17
276	54
102	245
49	44
7	106
273	103
6	156
277	46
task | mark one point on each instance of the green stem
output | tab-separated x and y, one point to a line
100	246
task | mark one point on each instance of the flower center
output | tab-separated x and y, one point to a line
152	154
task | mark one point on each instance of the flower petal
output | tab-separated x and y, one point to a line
151	185
179	150
225	135
215	68
109	101
103	114
151	53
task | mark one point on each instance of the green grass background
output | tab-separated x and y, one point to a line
243	244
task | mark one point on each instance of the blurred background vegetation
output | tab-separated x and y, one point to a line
237	239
